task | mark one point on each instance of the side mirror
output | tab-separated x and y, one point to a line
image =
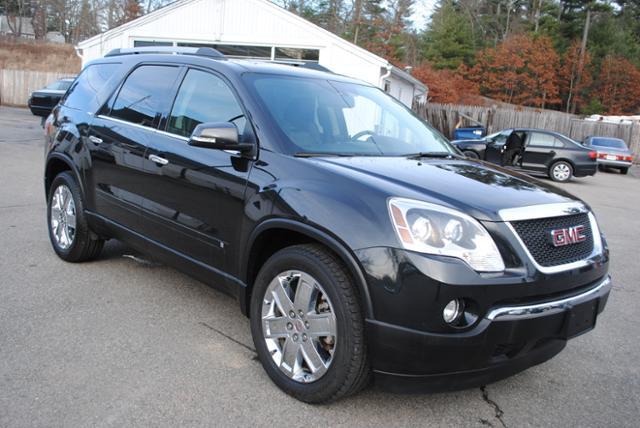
218	135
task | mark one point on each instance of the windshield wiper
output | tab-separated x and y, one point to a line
431	155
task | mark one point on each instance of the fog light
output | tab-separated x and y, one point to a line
452	311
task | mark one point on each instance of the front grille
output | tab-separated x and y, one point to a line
536	235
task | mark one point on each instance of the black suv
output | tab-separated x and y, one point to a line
353	235
539	152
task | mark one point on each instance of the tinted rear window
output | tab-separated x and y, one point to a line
609	143
144	95
82	93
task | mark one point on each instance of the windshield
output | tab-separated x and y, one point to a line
317	116
608	142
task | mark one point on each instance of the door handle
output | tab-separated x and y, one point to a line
158	160
95	140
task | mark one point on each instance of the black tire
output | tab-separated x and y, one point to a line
602	168
565	167
624	171
471	154
349	370
85	244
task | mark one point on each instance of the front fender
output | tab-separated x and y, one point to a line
324	237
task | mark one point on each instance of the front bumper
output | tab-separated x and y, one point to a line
507	340
523	316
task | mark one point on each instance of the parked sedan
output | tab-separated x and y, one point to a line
42	101
611	152
541	152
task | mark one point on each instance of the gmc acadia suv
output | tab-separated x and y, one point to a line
355	237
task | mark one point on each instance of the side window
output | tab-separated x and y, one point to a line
143	96
203	97
84	89
541	140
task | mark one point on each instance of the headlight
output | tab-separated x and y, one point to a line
434	229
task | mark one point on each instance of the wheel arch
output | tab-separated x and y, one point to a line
275	234
57	163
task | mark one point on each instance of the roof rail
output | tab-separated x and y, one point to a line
208	52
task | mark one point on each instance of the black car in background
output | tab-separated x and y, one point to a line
42	101
354	236
611	152
543	153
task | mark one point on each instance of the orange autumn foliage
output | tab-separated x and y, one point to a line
619	86
445	86
572	88
520	70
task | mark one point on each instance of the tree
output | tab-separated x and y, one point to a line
520	70
445	86
573	91
619	86
448	40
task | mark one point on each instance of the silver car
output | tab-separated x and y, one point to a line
611	152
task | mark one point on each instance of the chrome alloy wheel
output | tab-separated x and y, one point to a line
63	217
299	326
561	172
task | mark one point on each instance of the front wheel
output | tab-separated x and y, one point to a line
307	325
471	154
561	171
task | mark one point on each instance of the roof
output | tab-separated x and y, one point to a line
355	49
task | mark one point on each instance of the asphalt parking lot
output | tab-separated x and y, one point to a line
122	341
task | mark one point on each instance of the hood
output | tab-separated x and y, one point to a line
474	187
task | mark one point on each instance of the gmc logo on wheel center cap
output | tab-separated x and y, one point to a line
568	236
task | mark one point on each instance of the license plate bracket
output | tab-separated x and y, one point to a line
581	319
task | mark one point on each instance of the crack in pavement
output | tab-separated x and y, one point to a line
234	340
498	411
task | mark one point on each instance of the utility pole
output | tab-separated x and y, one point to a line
583	52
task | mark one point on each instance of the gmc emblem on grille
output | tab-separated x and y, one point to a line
568	236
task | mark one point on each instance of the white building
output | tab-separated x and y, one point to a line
255	29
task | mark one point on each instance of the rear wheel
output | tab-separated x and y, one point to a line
307	325
561	171
69	232
624	170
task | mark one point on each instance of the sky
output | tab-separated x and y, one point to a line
421	13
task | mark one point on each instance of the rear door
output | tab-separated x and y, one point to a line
193	197
539	151
119	138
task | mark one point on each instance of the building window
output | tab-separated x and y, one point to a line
145	43
297	54
238	51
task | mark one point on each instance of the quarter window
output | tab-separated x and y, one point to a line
143	97
203	97
543	140
83	91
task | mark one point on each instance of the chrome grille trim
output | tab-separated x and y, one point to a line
597	245
533	212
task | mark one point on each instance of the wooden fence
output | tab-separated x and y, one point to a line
17	85
444	117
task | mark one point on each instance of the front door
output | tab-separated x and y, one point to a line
495	145
194	196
